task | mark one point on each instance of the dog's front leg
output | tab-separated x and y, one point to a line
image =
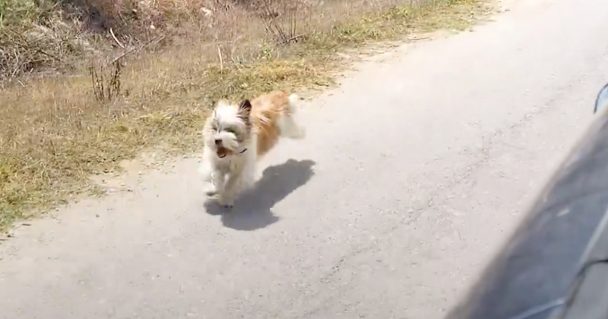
236	183
218	183
213	177
230	189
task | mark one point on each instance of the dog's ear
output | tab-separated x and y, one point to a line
245	106
245	110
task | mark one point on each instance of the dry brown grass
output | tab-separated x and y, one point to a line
35	38
55	133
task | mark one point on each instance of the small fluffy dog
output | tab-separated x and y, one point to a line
236	135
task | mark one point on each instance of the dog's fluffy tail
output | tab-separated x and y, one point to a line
288	121
294	102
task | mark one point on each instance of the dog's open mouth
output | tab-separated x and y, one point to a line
222	152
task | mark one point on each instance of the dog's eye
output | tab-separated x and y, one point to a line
231	130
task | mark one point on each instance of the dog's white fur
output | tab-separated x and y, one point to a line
235	136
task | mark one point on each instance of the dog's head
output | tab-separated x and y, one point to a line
228	130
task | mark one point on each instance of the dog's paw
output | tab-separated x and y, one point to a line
226	202
210	190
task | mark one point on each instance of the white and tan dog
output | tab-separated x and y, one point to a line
235	136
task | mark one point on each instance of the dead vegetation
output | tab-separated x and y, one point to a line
106	81
156	85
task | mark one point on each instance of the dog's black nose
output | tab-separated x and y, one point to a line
218	141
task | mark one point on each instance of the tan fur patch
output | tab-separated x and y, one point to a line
265	113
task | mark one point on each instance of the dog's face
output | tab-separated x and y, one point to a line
228	130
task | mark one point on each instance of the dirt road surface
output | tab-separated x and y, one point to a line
414	171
